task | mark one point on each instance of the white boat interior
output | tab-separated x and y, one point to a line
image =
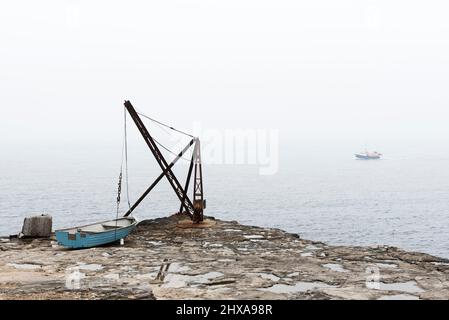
103	226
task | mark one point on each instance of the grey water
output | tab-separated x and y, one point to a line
319	192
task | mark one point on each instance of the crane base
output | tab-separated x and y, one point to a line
206	223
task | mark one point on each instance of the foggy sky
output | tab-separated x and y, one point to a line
323	69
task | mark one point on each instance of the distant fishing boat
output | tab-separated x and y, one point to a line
368	155
96	234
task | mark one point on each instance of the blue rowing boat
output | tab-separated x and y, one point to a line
96	234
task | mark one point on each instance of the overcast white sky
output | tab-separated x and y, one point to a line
322	69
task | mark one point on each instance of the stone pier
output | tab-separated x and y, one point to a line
168	259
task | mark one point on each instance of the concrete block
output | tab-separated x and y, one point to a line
37	226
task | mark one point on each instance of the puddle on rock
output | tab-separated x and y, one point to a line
306	254
335	267
312	247
173	280
177	267
226	260
254	236
440	263
155	243
212	245
399	297
24	266
90	267
409	286
387	265
298	287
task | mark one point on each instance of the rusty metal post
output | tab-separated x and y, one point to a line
198	200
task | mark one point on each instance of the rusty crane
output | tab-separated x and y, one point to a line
194	206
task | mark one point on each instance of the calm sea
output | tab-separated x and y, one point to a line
322	193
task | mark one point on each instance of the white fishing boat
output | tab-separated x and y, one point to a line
368	155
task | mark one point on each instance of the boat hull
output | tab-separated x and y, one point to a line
80	237
365	157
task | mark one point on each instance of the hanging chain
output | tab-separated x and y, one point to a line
124	159
119	187
119	190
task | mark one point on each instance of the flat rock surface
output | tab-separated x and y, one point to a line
167	258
